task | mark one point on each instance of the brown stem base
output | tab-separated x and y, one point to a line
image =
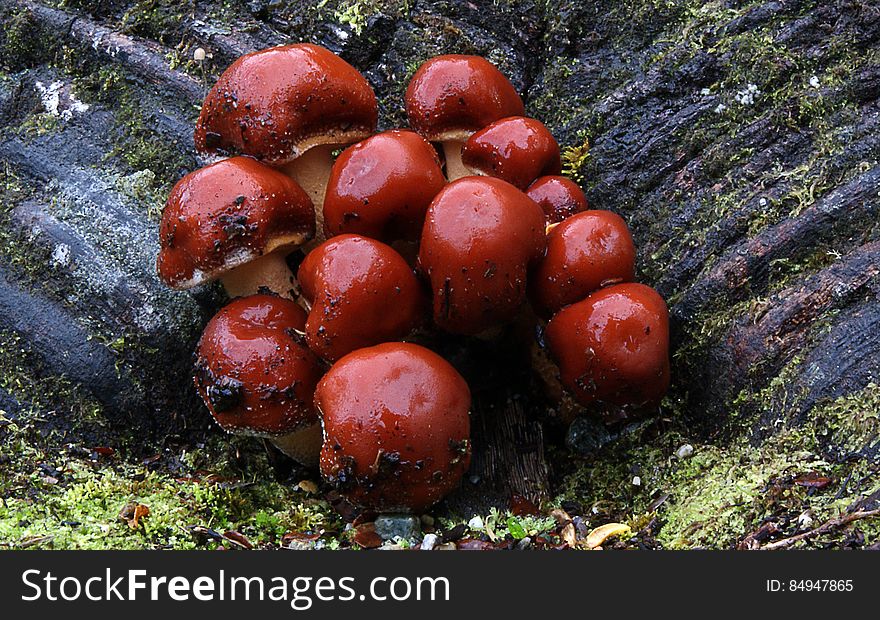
312	171
455	168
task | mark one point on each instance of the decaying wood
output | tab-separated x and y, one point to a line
757	216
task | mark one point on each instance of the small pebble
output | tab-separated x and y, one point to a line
637	481
428	542
814	82
403	526
685	452
476	523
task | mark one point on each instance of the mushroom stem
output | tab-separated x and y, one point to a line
303	445
455	168
312	171
268	271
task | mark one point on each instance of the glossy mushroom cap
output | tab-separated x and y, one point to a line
361	293
381	187
396	427
585	252
558	196
480	237
227	214
613	346
516	149
452	96
253	370
277	103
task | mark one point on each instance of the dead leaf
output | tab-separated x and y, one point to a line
561	516
132	513
812	480
522	506
365	535
604	532
569	535
238	538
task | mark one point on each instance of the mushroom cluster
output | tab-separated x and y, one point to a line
338	264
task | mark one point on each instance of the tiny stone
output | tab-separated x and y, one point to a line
763	202
814	82
637	481
524	544
390	526
428	542
199	54
587	436
476	523
685	451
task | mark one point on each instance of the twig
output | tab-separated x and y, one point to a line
826	527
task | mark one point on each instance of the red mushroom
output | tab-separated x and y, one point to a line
516	149
450	97
585	252
234	220
558	196
381	187
289	106
480	237
257	376
613	347
396	427
361	293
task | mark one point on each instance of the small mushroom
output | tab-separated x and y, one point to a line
516	149
450	97
585	252
613	347
258	378
290	106
234	220
558	196
381	187
481	236
396	427
361	293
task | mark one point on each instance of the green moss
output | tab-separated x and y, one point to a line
160	20
21	376
849	423
574	158
82	509
723	492
22	41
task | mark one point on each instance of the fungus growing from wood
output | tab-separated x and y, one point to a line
450	97
613	347
235	221
396	427
258	378
481	236
361	293
290	106
516	149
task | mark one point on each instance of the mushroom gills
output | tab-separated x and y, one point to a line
303	445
